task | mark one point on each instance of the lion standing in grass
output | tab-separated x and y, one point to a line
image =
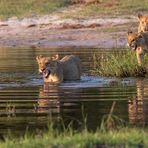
139	43
55	70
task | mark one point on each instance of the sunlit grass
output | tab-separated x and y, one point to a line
111	8
10	8
125	137
117	135
21	8
119	64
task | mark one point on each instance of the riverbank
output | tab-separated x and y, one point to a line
121	63
129	138
52	31
60	24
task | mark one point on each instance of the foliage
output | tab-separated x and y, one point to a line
125	137
10	8
110	121
113	8
119	64
109	136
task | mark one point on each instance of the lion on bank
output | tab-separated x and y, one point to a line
55	70
139	43
143	23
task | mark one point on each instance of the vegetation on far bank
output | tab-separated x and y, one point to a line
119	64
24	8
111	8
11	8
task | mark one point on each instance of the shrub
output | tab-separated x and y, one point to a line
120	64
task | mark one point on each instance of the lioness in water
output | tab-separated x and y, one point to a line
139	43
55	70
143	23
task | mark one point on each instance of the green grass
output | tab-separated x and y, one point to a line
125	137
111	8
119	64
21	8
117	135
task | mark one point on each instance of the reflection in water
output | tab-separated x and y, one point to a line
26	103
138	106
49	100
60	104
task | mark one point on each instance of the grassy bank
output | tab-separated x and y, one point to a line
69	139
23	8
119	64
10	8
113	132
111	8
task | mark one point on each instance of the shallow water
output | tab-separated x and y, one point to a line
25	103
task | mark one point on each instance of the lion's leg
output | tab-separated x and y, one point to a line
140	56
139	29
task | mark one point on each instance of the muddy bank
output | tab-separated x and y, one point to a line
52	31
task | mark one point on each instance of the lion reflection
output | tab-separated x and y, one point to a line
138	107
61	104
53	99
49	99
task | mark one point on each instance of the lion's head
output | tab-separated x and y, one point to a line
47	65
143	23
135	40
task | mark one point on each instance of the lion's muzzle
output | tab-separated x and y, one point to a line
41	71
46	73
133	45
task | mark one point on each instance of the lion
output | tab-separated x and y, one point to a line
139	43
56	71
143	23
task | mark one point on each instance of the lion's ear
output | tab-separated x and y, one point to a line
140	35
56	57
139	16
39	57
129	32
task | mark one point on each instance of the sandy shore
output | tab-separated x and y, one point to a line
52	31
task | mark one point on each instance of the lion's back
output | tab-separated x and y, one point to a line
71	65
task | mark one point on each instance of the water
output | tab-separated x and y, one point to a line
25	103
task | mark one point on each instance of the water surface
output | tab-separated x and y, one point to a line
25	102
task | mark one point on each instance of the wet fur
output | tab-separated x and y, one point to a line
56	71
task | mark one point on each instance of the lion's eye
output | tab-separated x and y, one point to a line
140	37
143	22
46	64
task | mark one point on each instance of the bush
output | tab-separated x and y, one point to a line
120	64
